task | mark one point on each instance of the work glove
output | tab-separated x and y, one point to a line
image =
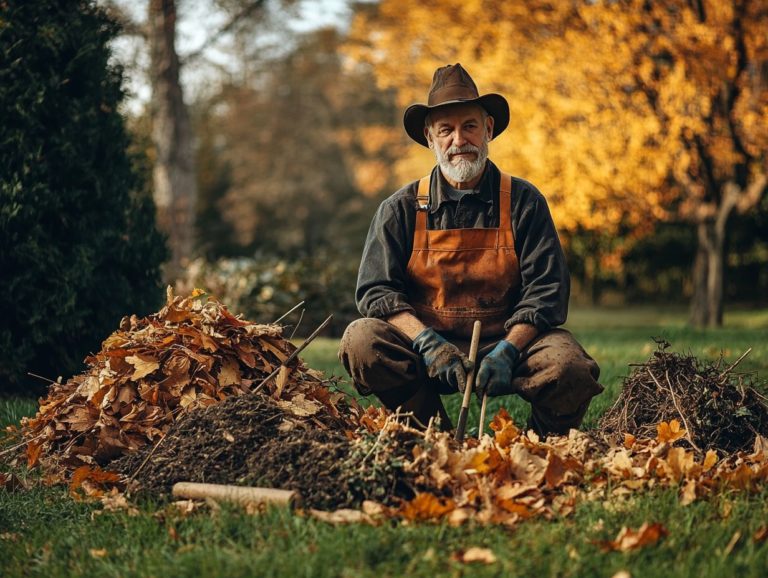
496	370
443	359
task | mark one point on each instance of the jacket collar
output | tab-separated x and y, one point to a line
488	184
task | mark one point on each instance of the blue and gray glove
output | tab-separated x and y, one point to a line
443	359
496	370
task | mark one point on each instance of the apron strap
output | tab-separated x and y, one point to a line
505	202
422	199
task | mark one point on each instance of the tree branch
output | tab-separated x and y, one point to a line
249	9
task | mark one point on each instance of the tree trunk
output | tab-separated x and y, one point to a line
708	275
175	188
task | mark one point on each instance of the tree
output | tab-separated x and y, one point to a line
666	117
175	187
78	244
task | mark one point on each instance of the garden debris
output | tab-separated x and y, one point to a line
192	354
718	408
274	448
474	554
170	396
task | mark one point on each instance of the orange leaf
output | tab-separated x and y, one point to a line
95	475
669	432
427	506
628	539
33	453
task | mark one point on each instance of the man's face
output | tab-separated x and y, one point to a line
459	135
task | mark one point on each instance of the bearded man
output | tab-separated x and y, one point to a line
466	242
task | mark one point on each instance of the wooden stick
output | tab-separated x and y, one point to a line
287	313
464	413
735	363
482	416
677	407
295	354
237	494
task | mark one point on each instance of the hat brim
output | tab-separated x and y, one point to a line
495	104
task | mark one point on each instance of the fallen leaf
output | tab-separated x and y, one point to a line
427	506
628	539
669	432
342	516
760	535
143	365
474	554
98	552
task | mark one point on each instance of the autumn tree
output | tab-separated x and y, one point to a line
624	113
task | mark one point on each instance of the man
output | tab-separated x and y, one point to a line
466	242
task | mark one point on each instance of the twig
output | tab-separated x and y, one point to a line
41	377
735	363
297	324
17	446
287	313
149	455
677	407
295	354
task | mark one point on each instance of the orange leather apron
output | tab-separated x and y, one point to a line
459	275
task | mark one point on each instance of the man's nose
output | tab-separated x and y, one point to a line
459	138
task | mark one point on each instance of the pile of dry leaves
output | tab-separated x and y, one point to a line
192	354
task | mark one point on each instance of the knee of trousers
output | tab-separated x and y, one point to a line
571	386
377	356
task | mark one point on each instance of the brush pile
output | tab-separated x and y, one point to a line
192	354
719	409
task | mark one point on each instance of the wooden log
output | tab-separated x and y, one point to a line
237	494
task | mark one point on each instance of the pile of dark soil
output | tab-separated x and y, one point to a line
720	409
250	440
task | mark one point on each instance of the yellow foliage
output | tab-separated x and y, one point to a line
619	109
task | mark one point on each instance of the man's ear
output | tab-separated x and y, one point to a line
489	126
428	136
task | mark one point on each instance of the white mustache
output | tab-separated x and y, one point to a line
467	148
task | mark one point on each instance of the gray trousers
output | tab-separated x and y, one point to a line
555	375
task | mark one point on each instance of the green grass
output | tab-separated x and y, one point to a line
44	533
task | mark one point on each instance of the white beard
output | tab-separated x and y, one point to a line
462	170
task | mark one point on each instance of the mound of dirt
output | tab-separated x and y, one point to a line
251	440
720	409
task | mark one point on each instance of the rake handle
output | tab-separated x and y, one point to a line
464	413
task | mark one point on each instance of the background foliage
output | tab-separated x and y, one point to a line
78	247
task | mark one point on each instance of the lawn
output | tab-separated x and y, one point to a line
44	533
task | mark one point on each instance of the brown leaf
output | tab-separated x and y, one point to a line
143	365
33	453
760	535
474	554
526	466
628	539
98	552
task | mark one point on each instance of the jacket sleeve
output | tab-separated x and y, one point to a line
545	285
381	280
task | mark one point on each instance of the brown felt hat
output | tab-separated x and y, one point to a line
452	85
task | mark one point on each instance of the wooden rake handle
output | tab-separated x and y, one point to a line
464	413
